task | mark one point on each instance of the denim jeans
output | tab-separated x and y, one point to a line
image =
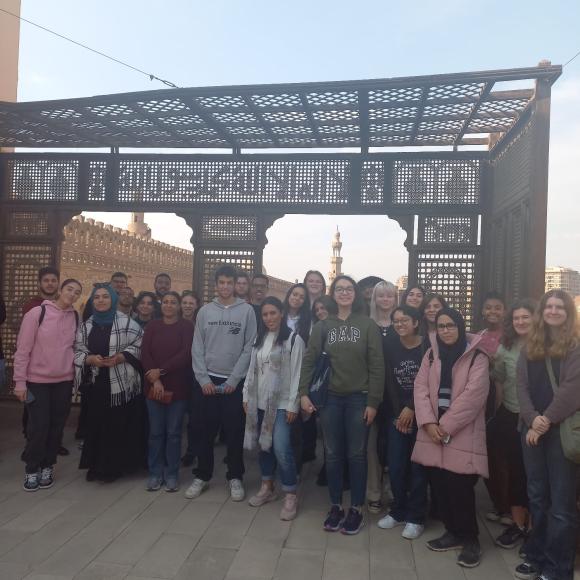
551	545
345	434
281	454
165	425
408	479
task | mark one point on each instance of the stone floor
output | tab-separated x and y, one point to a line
119	531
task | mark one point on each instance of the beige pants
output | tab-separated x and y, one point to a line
374	469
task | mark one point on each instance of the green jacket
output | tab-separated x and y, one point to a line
356	358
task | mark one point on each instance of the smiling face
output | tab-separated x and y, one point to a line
344	293
522	321
102	300
404	324
145	308
259	289
162	285
170	306
188	306
118	283
314	284
385	299
433	307
70	293
555	314
225	287
320	311
493	311
272	317
296	299
415	297
48	286
447	330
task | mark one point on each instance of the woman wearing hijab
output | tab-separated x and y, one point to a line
107	352
450	393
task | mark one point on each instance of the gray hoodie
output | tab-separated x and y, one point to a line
223	340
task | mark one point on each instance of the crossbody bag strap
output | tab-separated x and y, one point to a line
551	374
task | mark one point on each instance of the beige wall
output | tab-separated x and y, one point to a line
9	39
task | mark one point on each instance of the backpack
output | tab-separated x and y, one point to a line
43	314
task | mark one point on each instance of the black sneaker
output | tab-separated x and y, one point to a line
46	477
30	482
353	522
511	536
470	555
334	519
527	571
446	542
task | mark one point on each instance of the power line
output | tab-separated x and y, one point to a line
568	62
151	76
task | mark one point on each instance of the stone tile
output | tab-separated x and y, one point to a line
389	551
256	559
194	520
230	526
206	563
299	564
267	523
35	576
346	563
38	516
13	571
104	571
306	532
430	564
9	539
165	558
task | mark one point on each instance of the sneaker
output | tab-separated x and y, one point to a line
237	491
265	495
196	488
412	531
389	522
353	522
492	516
375	507
46	477
334	519
506	520
444	543
30	482
289	507
510	537
171	485
154	483
527	571
503	519
470	555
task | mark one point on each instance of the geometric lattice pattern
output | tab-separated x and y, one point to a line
229	227
446	230
212	258
30	224
43	180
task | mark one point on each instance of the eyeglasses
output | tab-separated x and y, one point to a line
401	321
448	326
344	290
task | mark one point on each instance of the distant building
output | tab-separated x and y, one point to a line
402	282
336	260
564	278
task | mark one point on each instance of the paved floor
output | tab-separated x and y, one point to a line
119	531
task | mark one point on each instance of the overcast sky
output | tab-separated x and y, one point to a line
222	42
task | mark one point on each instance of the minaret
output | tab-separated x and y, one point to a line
138	225
336	260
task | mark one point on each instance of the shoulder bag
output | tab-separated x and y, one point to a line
318	389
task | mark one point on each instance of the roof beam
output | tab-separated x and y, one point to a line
484	94
419	115
261	121
310	117
363	119
213	124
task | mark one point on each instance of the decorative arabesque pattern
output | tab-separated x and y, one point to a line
229	227
29	224
446	230
43	180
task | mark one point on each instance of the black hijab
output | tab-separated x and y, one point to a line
448	354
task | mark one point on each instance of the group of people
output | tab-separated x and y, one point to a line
410	392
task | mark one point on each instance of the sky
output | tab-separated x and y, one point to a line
223	42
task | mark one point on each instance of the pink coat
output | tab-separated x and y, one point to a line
465	419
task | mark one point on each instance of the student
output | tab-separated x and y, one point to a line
315	284
107	353
367	286
190	304
242	289
414	296
404	353
432	304
126	300
271	404
43	376
517	326
382	304
162	285
258	291
222	344
166	358
119	280
552	348
48	283
450	393
145	308
322	307
297	311
353	344
493	313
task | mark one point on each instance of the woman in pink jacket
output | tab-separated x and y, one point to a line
450	394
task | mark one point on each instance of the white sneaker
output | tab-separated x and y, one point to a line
237	491
389	522
196	488
412	531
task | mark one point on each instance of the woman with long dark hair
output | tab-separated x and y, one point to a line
271	404
353	344
322	307
414	296
145	305
548	393
297	311
431	305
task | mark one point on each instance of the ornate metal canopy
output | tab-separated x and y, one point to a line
440	110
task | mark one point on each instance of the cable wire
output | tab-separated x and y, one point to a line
568	62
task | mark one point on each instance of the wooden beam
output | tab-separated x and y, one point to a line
419	115
363	117
484	93
261	121
311	119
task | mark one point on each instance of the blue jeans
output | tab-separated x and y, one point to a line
345	434
281	454
408	479
165	425
551	545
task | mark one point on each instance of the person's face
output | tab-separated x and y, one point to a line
70	293
118	283
145	307
344	293
314	284
554	312
188	306
447	330
433	307
522	321
320	311
126	296
259	289
49	285
404	324
162	285
296	298
493	311
102	300
415	297
242	287
170	306
272	317
225	287
385	300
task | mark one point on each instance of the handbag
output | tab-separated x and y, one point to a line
569	427
167	398
318	389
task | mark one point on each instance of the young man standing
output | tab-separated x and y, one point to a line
224	335
126	299
243	286
48	280
119	281
162	285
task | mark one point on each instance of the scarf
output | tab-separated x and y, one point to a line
448	355
104	318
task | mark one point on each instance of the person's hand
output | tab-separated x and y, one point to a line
153	375
306	404
228	390
95	360
114	360
532	438
369	415
158	390
245	408
435	432
405	420
541	424
291	417
208	389
21	395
